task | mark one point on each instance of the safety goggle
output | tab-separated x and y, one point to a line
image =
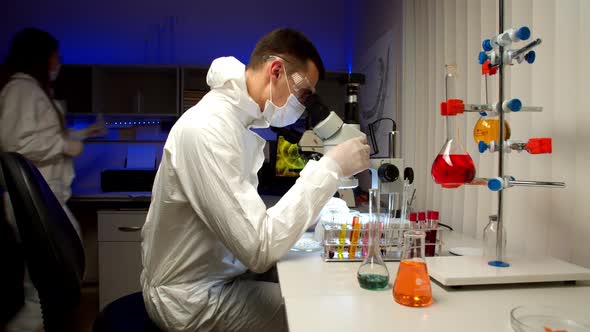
299	84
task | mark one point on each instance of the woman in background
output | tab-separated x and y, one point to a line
32	125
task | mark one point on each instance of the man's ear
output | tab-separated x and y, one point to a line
276	69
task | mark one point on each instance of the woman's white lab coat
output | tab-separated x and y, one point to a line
30	126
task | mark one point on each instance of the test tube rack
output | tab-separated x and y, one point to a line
339	244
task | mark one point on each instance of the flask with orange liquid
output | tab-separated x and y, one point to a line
412	284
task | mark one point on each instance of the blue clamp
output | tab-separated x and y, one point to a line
482	146
523	33
530	57
487	45
483	113
515	104
495	184
483	57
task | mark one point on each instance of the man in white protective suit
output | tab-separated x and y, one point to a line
208	232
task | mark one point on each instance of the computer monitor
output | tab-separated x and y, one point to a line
288	162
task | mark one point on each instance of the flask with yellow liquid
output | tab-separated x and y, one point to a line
487	128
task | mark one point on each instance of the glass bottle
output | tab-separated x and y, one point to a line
453	166
373	274
487	129
491	251
412	284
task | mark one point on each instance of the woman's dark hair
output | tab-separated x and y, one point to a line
29	53
286	43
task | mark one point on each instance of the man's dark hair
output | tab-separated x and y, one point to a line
289	44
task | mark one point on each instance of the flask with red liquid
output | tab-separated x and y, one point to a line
453	166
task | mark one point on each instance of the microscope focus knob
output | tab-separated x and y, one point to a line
409	174
388	173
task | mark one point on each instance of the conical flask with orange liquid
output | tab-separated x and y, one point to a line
453	166
412	284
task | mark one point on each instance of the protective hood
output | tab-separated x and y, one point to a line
227	75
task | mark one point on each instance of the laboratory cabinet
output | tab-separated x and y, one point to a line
135	90
193	86
129	90
119	89
73	88
119	253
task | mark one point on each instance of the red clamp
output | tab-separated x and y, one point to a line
452	107
488	69
539	145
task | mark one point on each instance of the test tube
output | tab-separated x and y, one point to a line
421	220
342	240
365	245
413	220
431	233
354	236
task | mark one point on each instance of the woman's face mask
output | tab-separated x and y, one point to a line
53	73
54	66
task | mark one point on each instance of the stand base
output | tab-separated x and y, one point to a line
498	264
469	270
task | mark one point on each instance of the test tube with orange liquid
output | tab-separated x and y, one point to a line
412	284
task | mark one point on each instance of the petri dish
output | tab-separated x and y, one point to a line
307	243
541	318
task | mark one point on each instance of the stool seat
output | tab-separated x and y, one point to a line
125	314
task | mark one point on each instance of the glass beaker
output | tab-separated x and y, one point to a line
412	284
453	166
487	129
373	274
491	251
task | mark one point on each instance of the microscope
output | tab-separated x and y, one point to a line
326	130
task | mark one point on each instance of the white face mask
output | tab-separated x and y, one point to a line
286	114
53	73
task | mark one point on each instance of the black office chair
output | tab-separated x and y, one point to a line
13	266
52	249
125	314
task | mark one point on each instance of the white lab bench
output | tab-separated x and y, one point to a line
119	242
321	296
119	253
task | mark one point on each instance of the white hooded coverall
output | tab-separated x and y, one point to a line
207	225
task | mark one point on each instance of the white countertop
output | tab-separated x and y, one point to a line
453	310
321	296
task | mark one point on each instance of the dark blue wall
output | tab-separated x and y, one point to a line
181	31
